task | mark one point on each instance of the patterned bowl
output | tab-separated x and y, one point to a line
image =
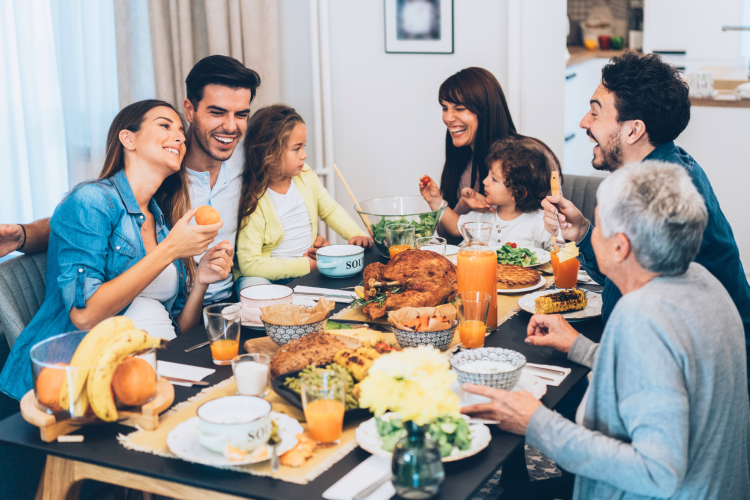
506	380
439	340
281	334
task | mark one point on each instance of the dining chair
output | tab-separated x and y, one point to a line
581	190
22	287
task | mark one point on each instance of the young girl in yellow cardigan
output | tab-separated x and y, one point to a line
281	200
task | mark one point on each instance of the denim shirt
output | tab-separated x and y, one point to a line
95	237
718	252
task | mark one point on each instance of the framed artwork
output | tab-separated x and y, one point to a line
419	26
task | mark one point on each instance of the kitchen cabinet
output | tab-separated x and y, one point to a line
688	32
581	81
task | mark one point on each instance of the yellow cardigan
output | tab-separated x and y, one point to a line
263	231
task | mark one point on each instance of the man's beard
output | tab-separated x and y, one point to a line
611	156
204	140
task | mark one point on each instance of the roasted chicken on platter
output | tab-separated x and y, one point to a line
413	278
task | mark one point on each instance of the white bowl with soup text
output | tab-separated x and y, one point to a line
241	421
340	261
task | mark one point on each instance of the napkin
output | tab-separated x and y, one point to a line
344	296
291	315
362	476
187	372
553	378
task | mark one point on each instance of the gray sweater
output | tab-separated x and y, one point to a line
667	412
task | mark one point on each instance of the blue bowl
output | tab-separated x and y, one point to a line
341	261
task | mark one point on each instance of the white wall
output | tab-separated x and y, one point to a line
387	120
717	139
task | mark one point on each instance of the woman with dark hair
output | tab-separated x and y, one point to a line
476	115
111	249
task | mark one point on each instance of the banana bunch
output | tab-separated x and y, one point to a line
86	354
103	348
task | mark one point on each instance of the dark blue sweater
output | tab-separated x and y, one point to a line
718	253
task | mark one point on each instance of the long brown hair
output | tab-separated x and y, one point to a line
266	140
173	196
480	92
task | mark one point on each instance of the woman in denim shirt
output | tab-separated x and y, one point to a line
111	246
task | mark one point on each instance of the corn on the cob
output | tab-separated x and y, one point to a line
354	362
564	301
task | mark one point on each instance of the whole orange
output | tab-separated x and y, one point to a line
48	385
207	215
134	381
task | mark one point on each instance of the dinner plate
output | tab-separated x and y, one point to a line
583	277
592	310
277	383
183	442
508	291
542	256
369	440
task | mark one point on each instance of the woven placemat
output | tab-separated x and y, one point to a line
155	442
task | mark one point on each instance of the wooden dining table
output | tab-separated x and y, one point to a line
100	457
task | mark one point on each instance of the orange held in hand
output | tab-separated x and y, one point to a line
134	382
48	385
207	215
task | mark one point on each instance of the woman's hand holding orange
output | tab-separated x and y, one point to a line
185	240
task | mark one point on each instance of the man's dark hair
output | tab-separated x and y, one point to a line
648	89
220	70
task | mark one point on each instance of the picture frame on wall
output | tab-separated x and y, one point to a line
419	26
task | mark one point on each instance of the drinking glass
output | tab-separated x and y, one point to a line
399	237
433	244
472	317
324	403
566	272
223	323
252	374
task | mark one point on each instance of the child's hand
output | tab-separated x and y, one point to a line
430	192
361	241
475	201
320	242
313	262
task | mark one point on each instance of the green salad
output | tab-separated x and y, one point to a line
425	226
516	256
448	432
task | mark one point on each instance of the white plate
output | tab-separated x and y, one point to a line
369	440
593	309
542	256
451	250
183	442
527	382
541	283
583	277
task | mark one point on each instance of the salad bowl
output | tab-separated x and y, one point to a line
376	213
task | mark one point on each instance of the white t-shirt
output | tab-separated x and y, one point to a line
295	219
526	230
147	310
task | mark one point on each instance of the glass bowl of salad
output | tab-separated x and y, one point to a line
379	212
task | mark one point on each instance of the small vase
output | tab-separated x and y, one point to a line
416	466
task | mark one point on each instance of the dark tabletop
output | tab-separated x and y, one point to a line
462	477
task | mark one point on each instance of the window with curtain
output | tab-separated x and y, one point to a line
58	85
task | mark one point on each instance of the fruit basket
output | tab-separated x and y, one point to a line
378	212
107	374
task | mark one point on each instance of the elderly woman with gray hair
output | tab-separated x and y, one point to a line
667	413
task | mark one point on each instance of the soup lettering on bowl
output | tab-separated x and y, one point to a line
242	422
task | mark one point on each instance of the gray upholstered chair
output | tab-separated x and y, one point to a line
22	286
581	190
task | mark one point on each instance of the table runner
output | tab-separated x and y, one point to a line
155	442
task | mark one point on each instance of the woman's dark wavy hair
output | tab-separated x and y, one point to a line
266	140
648	89
480	92
526	166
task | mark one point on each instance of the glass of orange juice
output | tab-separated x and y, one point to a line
565	272
324	404
472	317
399	236
223	322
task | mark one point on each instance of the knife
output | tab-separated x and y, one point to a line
185	381
371	489
336	295
198	346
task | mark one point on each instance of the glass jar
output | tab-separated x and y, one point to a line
477	265
417	469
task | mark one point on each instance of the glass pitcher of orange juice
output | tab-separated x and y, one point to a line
477	265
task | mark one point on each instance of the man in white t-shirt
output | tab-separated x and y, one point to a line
219	92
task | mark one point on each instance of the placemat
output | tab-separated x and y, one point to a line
155	442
